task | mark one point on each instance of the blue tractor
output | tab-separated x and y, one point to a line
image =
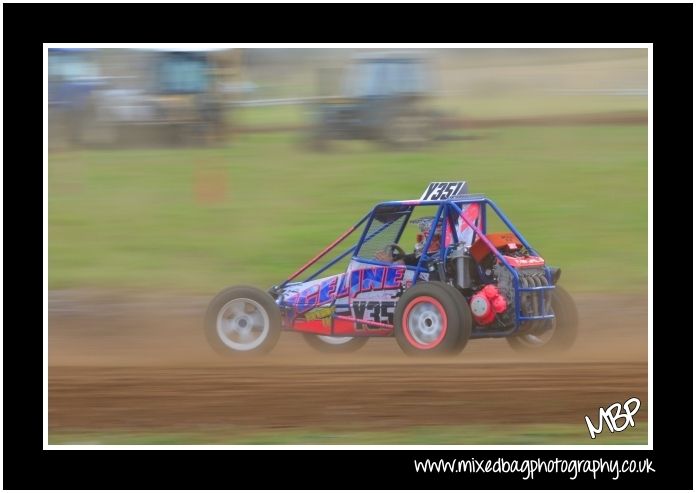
162	97
385	99
73	79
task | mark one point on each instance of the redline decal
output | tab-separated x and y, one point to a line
327	290
355	279
394	278
312	297
343	285
372	279
358	281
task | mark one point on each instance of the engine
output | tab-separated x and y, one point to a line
489	285
486	304
529	301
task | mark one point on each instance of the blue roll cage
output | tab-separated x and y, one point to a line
448	209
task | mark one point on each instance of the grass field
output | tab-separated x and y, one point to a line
509	105
531	434
196	220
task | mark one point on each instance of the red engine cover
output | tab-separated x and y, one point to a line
486	303
526	261
479	250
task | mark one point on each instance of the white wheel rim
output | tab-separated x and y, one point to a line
242	324
335	341
425	323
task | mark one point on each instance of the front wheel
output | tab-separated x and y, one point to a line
428	321
465	318
335	344
242	320
562	333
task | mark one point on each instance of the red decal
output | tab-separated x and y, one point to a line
313	326
527	261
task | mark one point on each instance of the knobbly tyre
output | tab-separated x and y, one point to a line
465	284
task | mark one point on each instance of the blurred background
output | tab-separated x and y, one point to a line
191	170
175	172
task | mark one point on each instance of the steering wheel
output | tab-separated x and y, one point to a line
397	253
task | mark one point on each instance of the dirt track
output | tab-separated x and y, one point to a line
142	363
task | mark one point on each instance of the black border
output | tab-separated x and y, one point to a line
26	26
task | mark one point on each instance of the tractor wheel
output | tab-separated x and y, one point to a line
560	336
316	140
408	132
242	320
331	344
95	132
428	321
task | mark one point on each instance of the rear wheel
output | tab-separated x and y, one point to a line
562	333
242	320
428	321
334	344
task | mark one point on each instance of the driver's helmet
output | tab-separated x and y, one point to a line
425	224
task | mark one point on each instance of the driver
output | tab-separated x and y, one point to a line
394	253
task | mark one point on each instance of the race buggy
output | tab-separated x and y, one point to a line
460	283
